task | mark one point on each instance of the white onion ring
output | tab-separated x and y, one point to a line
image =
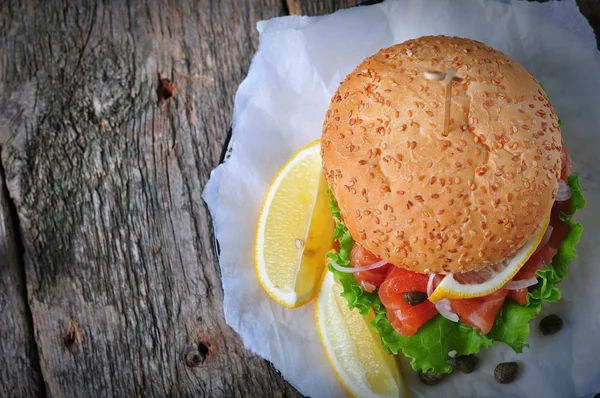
430	284
444	307
521	284
564	192
545	239
351	270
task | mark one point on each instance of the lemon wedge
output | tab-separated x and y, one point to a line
355	351
295	230
450	288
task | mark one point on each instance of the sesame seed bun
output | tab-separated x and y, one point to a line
437	204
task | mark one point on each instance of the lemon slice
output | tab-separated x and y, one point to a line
355	351
450	288
295	230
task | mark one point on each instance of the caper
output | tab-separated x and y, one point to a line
431	379
466	363
506	372
551	324
414	298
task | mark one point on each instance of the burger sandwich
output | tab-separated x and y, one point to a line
453	198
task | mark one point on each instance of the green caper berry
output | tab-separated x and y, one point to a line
551	324
506	372
414	298
466	363
430	379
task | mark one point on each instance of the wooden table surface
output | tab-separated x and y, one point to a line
111	118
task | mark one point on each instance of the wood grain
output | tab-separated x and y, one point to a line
591	10
112	115
106	166
321	7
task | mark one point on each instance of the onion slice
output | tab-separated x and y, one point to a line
430	284
444	307
351	270
564	192
521	284
545	239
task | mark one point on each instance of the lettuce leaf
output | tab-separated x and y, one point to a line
428	349
354	295
512	323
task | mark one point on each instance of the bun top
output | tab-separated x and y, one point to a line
432	203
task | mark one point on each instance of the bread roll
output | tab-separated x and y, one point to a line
433	203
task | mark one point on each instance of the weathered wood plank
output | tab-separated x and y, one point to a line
20	374
106	167
591	10
124	290
310	7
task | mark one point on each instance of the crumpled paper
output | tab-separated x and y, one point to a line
280	107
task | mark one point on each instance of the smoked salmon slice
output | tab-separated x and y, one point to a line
404	318
480	313
368	280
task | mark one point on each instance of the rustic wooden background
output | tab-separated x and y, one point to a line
112	115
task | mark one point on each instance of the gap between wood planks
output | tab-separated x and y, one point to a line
13	229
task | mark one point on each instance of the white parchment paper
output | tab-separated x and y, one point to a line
280	107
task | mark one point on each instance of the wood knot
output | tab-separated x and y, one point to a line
196	355
73	335
166	89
